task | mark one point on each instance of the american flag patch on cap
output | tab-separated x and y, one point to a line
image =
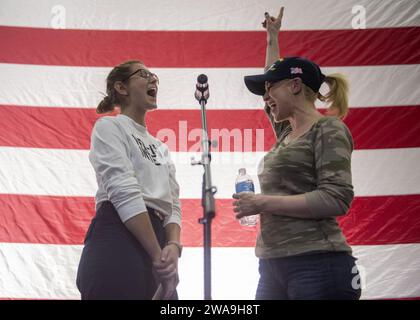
295	70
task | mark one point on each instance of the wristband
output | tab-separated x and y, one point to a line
177	244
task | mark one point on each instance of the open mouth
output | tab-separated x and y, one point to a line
272	105
152	92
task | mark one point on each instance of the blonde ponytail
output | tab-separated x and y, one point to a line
337	95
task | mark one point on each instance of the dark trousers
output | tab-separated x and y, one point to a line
331	275
113	264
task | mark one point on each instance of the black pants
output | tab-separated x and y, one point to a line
113	264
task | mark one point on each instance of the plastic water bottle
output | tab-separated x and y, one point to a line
243	184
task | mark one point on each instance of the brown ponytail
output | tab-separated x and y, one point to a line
106	105
118	73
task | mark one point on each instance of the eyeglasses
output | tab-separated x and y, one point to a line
144	74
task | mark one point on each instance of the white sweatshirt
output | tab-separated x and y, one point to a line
133	169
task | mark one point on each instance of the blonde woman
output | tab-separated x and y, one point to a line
305	183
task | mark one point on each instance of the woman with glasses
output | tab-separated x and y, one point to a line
133	242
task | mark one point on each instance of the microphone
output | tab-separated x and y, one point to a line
202	89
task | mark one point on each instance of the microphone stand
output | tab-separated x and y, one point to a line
208	191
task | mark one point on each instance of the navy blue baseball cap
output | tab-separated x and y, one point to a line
287	68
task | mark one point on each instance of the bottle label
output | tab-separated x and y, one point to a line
245	186
249	221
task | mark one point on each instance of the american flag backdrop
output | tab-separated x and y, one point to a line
55	55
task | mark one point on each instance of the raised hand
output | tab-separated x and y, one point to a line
273	24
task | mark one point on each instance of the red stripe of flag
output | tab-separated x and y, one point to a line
193	49
64	220
70	128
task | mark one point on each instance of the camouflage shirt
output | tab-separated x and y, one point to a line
316	164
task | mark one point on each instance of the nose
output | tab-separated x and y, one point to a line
266	97
154	79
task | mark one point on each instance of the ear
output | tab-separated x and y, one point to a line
296	85
120	87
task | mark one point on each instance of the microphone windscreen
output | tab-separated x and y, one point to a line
202	79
